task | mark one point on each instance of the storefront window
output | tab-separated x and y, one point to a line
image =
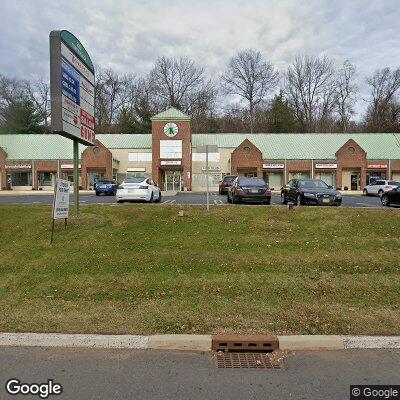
45	179
21	179
375	175
200	180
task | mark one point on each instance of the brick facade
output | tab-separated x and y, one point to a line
96	158
3	175
247	158
184	134
351	160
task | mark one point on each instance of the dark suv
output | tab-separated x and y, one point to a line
225	183
105	187
310	192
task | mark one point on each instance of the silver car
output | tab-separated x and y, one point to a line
138	189
378	187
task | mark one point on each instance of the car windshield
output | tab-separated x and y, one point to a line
134	180
229	179
313	184
251	182
394	183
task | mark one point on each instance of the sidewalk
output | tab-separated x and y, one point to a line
37	192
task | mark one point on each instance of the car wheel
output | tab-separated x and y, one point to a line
380	193
283	198
119	201
220	191
152	198
159	197
97	194
365	192
267	202
299	201
385	201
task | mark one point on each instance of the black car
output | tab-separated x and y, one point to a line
105	187
310	192
249	190
225	183
391	197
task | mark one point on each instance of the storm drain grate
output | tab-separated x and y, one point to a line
244	360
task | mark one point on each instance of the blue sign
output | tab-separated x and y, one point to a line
70	82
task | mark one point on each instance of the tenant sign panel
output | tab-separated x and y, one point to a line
71	88
61	199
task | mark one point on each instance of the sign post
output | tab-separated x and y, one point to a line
72	95
60	203
208	148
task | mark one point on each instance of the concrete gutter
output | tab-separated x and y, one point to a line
191	342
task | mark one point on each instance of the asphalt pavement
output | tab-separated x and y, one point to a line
150	374
180	198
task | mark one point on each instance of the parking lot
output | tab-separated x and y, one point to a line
188	198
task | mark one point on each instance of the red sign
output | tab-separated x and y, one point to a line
87	119
87	133
377	166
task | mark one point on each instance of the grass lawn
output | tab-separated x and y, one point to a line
245	269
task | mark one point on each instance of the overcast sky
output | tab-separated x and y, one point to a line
128	35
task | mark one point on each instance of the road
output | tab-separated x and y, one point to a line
180	198
149	374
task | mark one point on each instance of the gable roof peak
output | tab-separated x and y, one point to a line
171	114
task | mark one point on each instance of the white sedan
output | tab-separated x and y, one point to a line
138	189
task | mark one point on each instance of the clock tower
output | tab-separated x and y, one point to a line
171	150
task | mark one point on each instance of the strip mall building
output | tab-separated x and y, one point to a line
170	155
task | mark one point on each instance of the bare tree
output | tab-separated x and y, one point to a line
384	110
310	90
112	93
345	95
251	78
39	93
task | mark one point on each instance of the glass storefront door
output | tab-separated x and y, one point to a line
93	177
173	180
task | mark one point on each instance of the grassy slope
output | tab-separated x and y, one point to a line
144	269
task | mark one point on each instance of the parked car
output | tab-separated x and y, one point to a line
391	197
105	187
378	187
249	190
310	192
225	184
138	189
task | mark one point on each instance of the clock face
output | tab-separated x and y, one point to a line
171	129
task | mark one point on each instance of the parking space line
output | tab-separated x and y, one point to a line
218	202
37	202
168	202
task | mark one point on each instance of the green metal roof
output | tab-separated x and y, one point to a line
125	141
293	146
38	147
172	114
298	146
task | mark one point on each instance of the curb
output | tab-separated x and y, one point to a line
191	342
74	340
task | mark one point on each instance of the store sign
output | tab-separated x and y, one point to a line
71	88
377	166
69	166
273	166
61	199
138	169
170	162
325	166
18	166
210	168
